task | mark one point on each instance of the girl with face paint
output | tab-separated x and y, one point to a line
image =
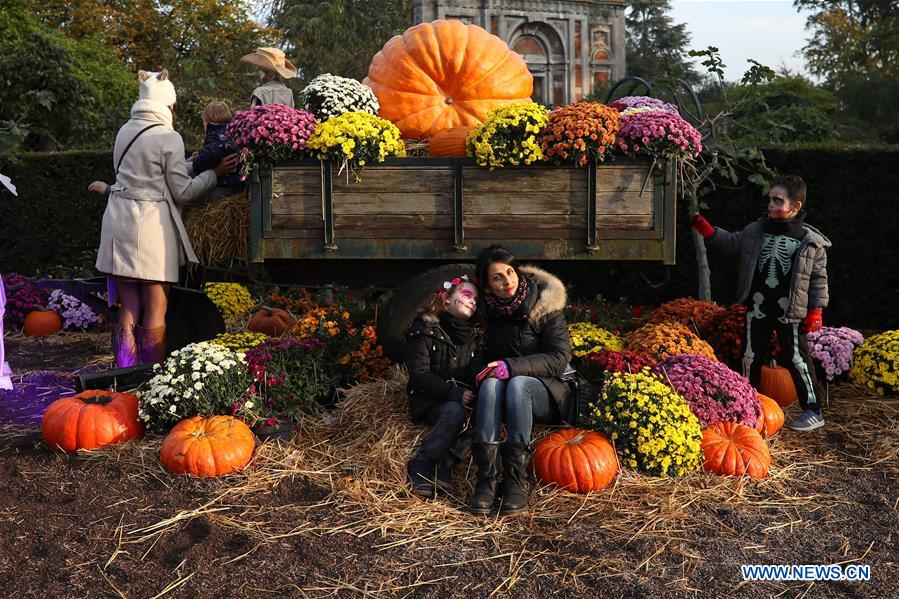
443	354
783	284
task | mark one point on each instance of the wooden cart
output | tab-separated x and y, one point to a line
448	209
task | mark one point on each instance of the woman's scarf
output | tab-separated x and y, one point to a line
503	308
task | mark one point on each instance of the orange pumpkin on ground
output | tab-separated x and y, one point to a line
207	446
777	384
40	323
449	142
734	449
576	460
273	322
91	419
445	74
771	419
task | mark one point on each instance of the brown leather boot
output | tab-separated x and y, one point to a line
151	343
124	345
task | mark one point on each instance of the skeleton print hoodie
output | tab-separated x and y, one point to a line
783	262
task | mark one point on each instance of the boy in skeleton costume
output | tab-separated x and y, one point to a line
783	283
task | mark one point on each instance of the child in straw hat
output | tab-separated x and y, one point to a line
272	65
443	354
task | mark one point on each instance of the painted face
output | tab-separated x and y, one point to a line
780	206
502	280
463	301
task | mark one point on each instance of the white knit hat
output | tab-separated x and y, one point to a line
156	87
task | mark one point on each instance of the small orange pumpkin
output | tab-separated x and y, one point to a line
91	419
445	74
777	384
772	418
40	323
734	449
449	142
273	322
576	460
207	446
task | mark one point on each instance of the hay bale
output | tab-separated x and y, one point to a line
219	230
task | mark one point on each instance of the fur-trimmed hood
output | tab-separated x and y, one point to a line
553	296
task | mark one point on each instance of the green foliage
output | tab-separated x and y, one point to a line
655	44
338	37
200	42
71	94
54	220
852	37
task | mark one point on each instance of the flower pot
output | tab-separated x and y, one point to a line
274	432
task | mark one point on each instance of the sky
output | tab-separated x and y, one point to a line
769	31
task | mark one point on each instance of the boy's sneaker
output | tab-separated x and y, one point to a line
808	421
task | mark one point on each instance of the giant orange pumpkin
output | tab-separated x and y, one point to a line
449	142
40	323
772	418
777	384
735	450
273	322
445	74
575	460
91	419
211	446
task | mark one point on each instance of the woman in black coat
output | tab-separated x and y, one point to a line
528	341
443	355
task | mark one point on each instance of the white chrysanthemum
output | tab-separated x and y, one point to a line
328	96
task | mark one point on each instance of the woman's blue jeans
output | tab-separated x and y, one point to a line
522	399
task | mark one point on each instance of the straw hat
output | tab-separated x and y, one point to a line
272	59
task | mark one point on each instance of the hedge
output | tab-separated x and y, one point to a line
55	219
853	199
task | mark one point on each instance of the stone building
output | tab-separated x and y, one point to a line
570	45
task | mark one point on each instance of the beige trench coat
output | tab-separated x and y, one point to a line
143	236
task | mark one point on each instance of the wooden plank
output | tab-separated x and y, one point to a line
392	234
396	179
544	234
625	221
517	180
366	224
622	178
394	203
296	179
533	203
416	249
290	203
500	224
628	202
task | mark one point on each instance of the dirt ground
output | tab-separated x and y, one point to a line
114	523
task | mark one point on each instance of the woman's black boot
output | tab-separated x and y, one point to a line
516	486
486	457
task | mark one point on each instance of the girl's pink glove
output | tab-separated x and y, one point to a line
501	371
702	225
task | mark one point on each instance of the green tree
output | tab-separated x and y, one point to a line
656	46
65	93
852	37
200	42
855	48
339	36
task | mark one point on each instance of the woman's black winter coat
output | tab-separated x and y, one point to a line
535	341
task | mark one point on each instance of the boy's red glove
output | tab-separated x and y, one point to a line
813	321
702	225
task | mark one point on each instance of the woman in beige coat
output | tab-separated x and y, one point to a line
143	241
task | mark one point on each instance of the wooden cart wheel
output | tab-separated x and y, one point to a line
399	307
